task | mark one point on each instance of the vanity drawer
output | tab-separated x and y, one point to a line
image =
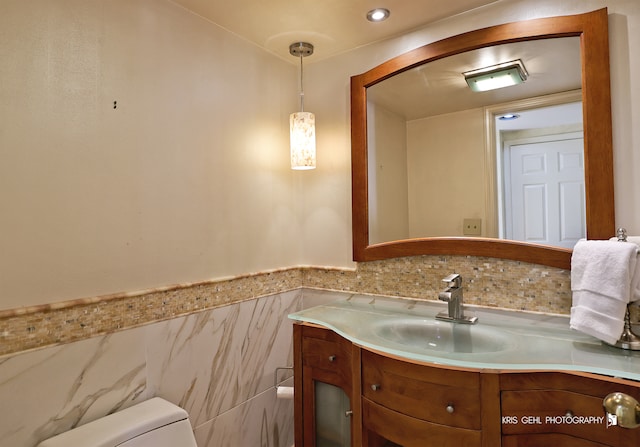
544	398
563	413
443	396
411	432
325	350
547	440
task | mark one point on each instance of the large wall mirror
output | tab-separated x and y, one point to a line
440	169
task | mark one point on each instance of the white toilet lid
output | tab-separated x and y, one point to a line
138	421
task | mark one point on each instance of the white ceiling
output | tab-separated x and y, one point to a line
439	87
332	26
337	26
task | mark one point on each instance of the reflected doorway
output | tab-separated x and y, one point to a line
537	160
544	198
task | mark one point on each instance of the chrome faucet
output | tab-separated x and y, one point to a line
453	296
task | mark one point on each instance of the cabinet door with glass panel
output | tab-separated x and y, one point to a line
323	402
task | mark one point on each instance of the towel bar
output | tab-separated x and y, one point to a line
628	340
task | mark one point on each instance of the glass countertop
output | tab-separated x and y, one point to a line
501	339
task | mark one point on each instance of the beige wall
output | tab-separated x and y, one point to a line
389	194
446	173
186	180
172	186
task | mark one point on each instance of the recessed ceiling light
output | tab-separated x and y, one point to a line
509	117
378	15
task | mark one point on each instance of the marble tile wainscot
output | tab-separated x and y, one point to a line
218	364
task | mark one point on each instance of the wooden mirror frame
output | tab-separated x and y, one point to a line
592	29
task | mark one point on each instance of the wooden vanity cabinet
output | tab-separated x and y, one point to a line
394	402
542	399
397	402
322	356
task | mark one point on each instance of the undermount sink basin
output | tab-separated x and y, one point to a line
433	335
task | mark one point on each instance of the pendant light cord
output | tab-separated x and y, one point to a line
301	84
301	49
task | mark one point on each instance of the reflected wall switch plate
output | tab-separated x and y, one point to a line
471	227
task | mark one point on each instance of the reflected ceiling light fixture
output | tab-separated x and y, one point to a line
302	125
509	117
496	76
378	15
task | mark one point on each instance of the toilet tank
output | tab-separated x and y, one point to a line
153	423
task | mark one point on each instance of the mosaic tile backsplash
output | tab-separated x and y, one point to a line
487	282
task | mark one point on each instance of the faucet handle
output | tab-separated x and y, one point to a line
454	278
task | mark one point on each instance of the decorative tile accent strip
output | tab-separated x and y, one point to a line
487	282
38	326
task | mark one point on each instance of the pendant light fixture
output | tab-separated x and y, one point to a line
302	124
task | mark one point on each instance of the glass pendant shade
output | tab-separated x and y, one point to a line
303	140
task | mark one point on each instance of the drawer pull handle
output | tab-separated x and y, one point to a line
375	387
332	358
450	409
348	413
569	414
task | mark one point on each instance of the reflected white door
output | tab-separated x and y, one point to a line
545	200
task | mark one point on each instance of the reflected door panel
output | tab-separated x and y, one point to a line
546	202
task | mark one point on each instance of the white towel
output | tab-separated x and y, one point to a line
601	282
596	324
